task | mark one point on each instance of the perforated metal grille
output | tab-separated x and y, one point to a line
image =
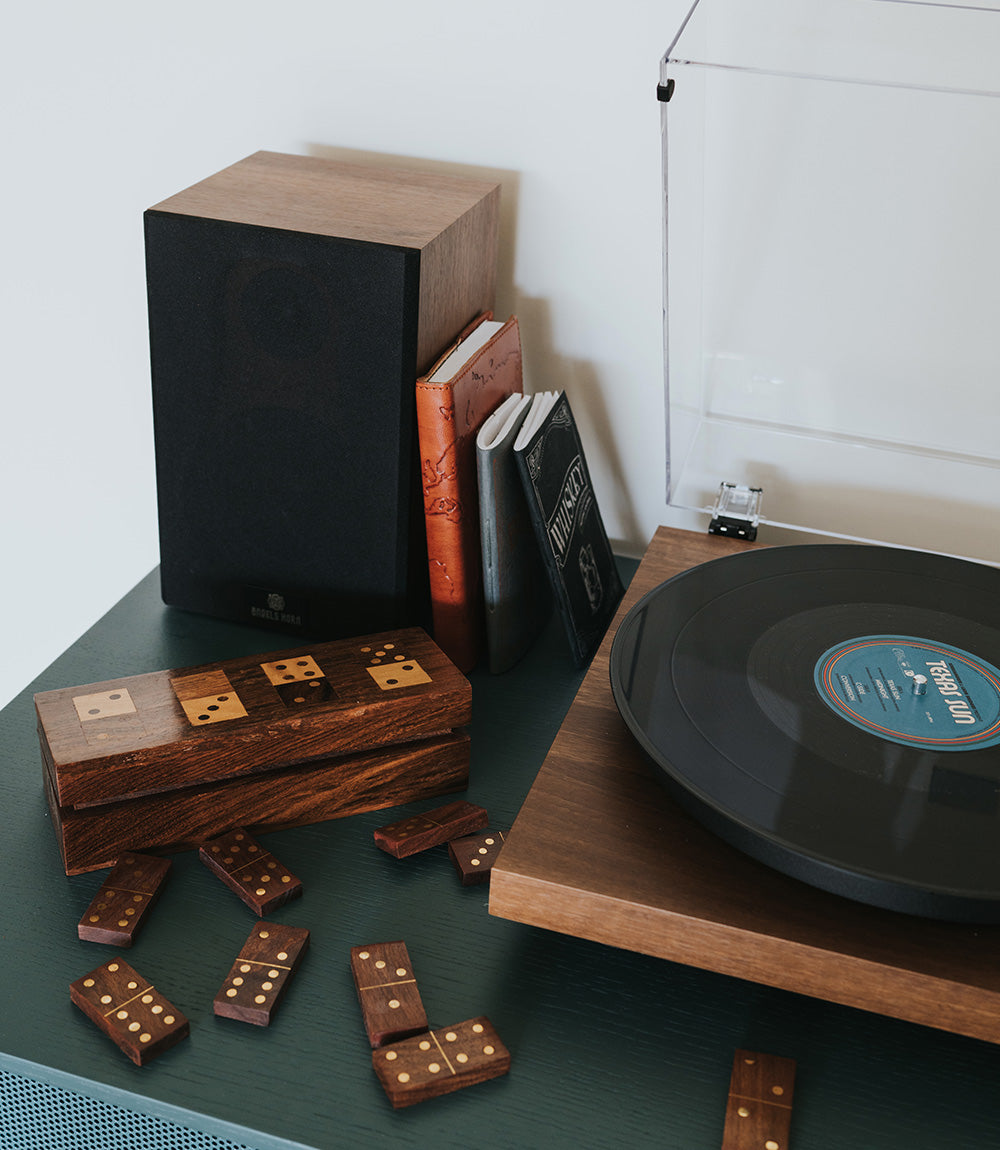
34	1116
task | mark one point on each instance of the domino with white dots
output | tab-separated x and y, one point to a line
420	832
473	856
387	992
129	1010
119	909
440	1062
759	1107
250	871
259	978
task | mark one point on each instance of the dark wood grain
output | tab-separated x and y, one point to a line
250	871
331	197
759	1105
129	1010
93	837
146	734
120	908
440	1062
259	978
420	832
473	856
600	851
391	1007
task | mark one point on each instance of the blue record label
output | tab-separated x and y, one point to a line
913	691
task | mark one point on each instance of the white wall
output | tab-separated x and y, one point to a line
112	106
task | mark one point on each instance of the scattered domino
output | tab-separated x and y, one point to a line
387	991
421	832
440	1062
474	855
260	975
250	871
130	1011
120	907
759	1107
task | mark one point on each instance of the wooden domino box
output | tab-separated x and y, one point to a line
165	760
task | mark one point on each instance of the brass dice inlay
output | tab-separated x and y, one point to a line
213	709
392	675
208	697
292	670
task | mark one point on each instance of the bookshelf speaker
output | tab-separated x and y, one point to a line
293	302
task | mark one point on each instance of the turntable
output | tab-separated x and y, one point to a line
783	763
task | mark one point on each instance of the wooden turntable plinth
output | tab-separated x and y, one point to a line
600	851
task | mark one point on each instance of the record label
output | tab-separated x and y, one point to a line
912	691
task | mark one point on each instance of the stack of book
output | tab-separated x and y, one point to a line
512	519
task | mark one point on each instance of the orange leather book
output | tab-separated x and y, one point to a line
466	385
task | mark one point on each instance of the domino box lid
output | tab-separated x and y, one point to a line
165	730
830	189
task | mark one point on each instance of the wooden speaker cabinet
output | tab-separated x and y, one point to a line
293	301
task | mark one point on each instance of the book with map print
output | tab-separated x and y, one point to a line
453	400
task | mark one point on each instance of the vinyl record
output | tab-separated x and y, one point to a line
833	711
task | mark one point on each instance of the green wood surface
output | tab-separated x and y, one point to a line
609	1048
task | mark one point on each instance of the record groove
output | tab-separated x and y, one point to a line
833	711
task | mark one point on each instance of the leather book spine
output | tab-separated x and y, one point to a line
448	416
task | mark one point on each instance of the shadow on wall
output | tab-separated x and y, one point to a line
509	196
545	369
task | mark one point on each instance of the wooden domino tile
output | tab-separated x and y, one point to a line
387	991
261	973
253	873
440	1062
421	832
759	1108
120	907
130	1011
474	855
